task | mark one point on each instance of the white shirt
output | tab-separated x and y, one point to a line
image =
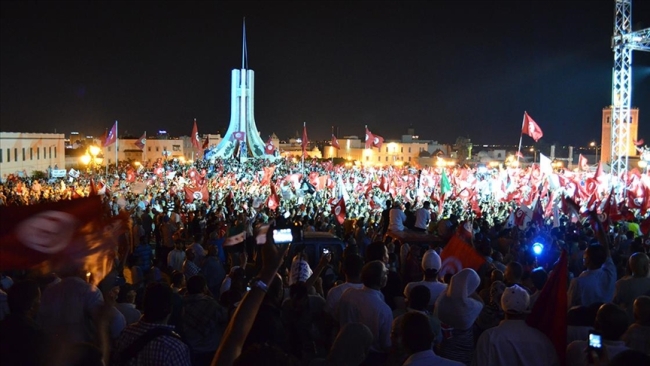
436	288
199	253
422	218
427	358
514	343
334	296
576	356
131	314
592	286
367	306
396	219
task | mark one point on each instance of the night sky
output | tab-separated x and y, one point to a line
448	68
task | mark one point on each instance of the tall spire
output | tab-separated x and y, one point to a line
244	49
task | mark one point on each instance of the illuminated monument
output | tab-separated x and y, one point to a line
242	139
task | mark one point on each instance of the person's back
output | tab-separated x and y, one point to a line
151	341
513	342
631	287
213	271
396	219
597	283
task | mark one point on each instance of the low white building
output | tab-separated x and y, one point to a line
23	153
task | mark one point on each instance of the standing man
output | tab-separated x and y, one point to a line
423	217
396	218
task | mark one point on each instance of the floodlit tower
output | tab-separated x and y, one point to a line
624	42
242	139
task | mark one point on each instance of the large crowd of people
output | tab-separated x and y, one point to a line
199	280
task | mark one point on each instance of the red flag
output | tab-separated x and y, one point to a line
305	140
112	135
335	142
269	149
196	140
520	217
457	254
141	141
196	193
599	172
206	142
639	142
93	187
369	138
57	235
273	202
338	210
583	163
373	140
531	128
268	174
130	176
518	154
239	135
549	312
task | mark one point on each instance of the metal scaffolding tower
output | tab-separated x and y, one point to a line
624	42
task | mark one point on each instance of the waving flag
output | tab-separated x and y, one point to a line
269	149
239	135
305	140
196	193
373	140
338	210
273	201
335	142
531	128
583	163
268	174
112	135
457	254
196	140
141	141
445	186
206	142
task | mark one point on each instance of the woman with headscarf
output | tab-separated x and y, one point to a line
458	308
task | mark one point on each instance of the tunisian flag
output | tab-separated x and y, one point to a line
583	163
206	142
549	312
142	141
338	210
373	140
268	174
60	235
196	140
112	135
269	149
273	202
457	255
531	128
335	143
196	193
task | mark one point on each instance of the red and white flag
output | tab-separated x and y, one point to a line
373	140
196	140
273	202
583	163
305	140
196	193
268	175
142	141
639	142
206	142
338	210
239	136
335	142
112	135
531	128
269	148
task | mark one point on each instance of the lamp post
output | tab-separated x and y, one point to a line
595	146
532	149
91	159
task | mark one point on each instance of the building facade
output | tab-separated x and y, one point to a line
23	153
606	139
390	153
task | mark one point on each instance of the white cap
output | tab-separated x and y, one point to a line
431	260
515	299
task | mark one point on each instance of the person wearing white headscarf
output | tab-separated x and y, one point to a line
457	308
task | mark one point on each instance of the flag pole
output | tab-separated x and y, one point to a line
116	143
145	149
333	149
302	163
105	156
521	135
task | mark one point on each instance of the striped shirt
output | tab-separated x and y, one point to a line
165	350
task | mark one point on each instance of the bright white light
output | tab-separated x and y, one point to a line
538	248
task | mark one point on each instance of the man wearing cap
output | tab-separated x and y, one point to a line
430	265
513	342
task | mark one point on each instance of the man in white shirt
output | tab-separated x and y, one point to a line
367	306
423	217
396	218
430	265
176	257
513	342
352	265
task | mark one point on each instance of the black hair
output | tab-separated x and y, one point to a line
196	284
21	296
157	304
416	332
419	297
539	277
375	251
352	265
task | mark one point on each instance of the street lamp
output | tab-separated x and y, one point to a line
532	149
594	145
90	159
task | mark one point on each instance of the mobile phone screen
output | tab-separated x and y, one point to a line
595	341
282	236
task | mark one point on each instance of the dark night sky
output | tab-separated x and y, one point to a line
449	68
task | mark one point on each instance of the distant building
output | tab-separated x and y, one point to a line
23	153
390	153
606	139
